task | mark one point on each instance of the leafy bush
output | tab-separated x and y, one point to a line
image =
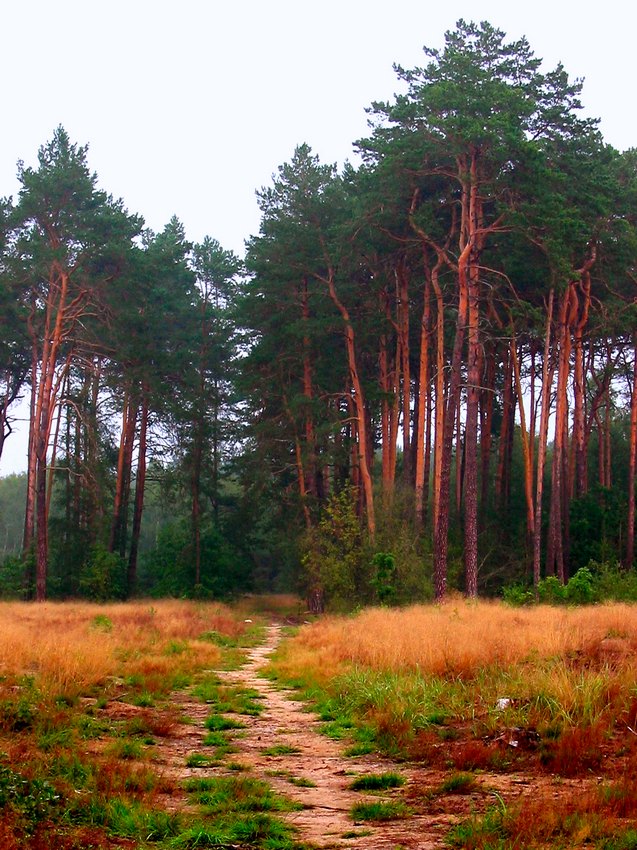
169	569
384	580
103	576
333	560
593	583
12	573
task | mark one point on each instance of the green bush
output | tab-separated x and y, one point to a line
593	583
103	576
384	580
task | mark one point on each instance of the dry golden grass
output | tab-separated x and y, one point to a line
571	666
70	647
460	638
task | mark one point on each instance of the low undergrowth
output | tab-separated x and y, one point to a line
84	704
468	688
600	817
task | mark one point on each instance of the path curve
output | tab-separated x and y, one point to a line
326	816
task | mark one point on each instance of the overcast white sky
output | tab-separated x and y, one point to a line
190	106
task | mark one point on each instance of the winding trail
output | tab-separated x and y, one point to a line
325	821
326	816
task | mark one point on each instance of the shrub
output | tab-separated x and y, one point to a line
103	576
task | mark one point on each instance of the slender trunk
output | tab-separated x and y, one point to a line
441	535
632	466
423	419
440	394
471	440
547	380
140	487
29	514
555	558
122	485
359	406
579	413
402	283
526	448
486	428
505	425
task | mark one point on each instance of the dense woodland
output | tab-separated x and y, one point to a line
422	375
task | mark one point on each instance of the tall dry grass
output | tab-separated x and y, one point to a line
71	647
458	639
574	665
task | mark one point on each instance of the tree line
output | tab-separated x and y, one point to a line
423	372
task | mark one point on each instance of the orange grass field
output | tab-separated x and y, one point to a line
581	662
459	638
72	647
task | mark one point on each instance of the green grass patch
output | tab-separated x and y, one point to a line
199	760
219	723
229	700
377	782
224	794
380	811
458	783
280	750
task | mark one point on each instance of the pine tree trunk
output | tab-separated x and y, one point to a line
441	535
359	406
632	466
140	487
526	449
423	419
547	381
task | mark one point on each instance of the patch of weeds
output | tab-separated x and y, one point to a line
380	811
17	715
364	742
229	700
207	690
127	750
280	750
29	800
215	739
131	820
436	718
176	647
237	766
337	729
357	833
198	760
50	739
72	769
458	783
224	794
480	832
219	723
89	728
301	782
143	700
259	830
101	623
220	640
377	782
447	733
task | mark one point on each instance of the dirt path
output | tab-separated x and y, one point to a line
326	816
325	820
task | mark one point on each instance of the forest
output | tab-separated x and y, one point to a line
420	378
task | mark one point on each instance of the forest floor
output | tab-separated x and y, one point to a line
282	745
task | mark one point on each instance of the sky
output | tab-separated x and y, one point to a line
189	107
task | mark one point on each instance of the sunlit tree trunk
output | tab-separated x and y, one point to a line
547	381
632	466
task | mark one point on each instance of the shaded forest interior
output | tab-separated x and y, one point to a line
422	375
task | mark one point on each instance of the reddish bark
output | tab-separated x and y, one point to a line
140	488
547	381
632	466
